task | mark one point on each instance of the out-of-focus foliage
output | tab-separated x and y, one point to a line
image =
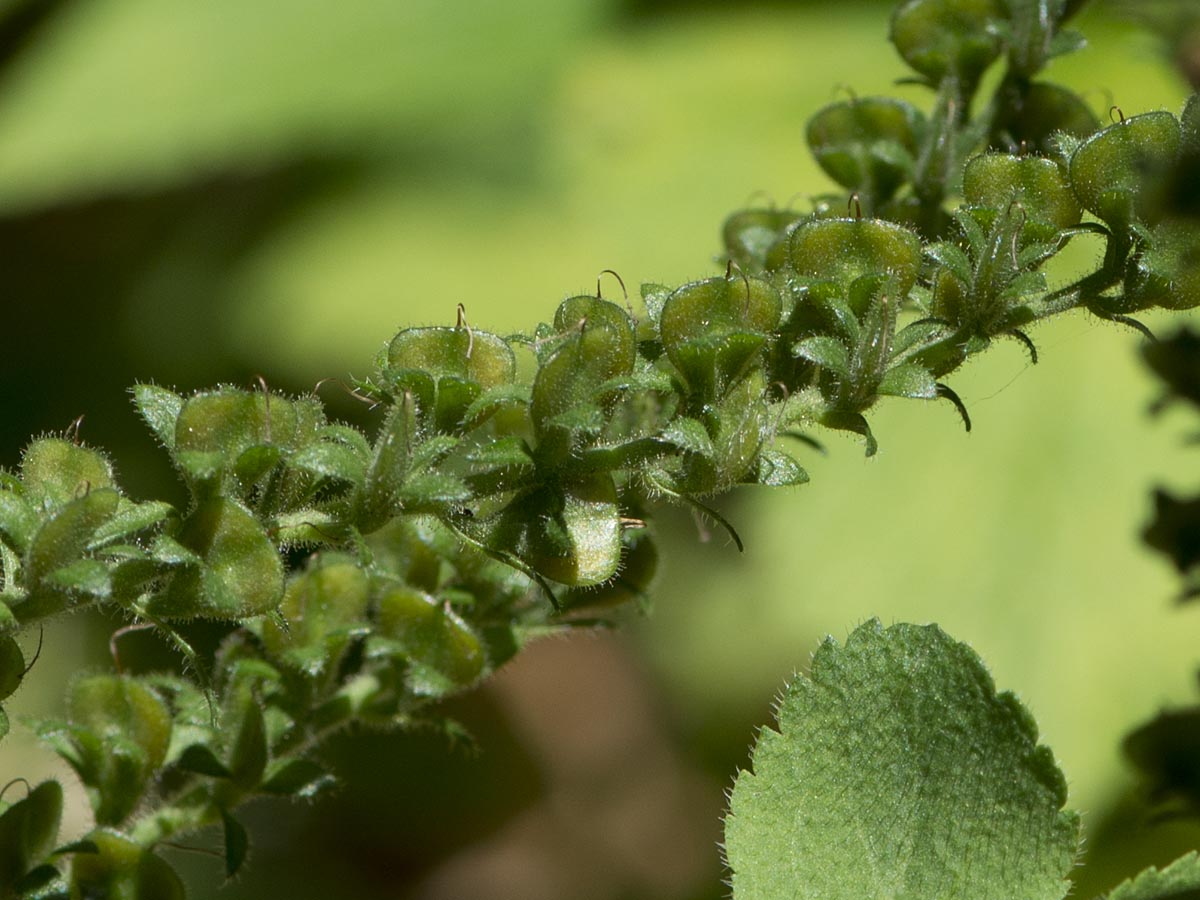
133	224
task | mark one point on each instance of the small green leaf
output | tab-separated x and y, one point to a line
899	771
18	521
160	409
300	778
827	352
200	759
909	380
82	578
12	665
65	537
130	519
335	461
778	469
237	843
249	753
951	257
28	830
1178	881
689	435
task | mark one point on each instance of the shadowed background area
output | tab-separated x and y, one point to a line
203	192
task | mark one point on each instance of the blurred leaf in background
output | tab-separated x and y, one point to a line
202	192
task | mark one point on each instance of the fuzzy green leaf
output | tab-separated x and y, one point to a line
18	521
130	518
898	771
827	352
160	408
331	460
237	843
1178	881
63	539
909	380
299	778
12	665
28	829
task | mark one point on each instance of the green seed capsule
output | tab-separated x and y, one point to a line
598	347
55	471
454	352
751	234
121	870
866	144
713	330
448	367
843	251
240	574
994	180
941	37
1120	171
322	608
431	635
127	729
1168	273
568	533
1047	110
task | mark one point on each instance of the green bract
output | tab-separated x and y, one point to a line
55	471
1167	273
570	533
321	612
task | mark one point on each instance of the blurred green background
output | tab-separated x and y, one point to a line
201	192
